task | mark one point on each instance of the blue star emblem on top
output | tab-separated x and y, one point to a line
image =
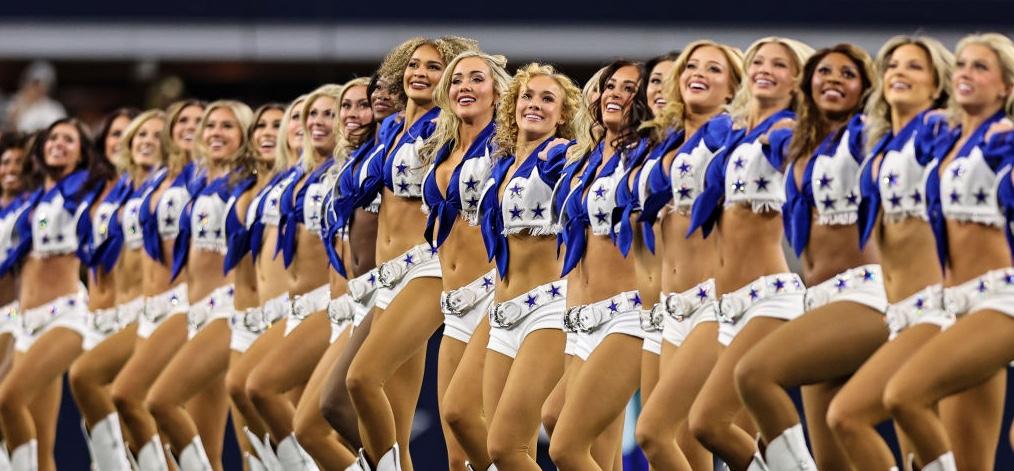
401	168
516	190
538	210
779	284
600	192
471	184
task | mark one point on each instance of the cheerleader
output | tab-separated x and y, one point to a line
701	82
52	237
461	155
845	299
13	189
524	358
355	130
249	321
970	358
272	280
290	363
162	328
759	296
606	331
386	374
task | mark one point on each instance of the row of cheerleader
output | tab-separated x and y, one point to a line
288	265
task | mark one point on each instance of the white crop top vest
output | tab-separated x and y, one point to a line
208	223
54	230
835	181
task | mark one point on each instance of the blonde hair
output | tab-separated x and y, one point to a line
309	157
1004	49
242	160
507	128
878	112
674	113
343	145
799	52
252	146
283	153
124	159
447	123
177	157
584	121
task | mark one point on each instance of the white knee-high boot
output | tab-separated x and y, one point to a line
151	457
109	452
788	452
264	451
294	457
194	458
26	456
470	467
5	458
944	462
391	461
254	464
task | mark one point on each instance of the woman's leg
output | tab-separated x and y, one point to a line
312	432
286	367
402	391
131	386
462	401
335	402
650	364
532	376
967	363
554	403
240	367
714	410
45	410
859	406
398	334
43	364
186	393
827	453
599	394
451	352
93	372
683	371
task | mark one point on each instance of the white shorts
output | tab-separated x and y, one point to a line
305	304
70	312
511	321
246	325
394	275
10	321
923	307
778	296
861	285
571	346
993	290
687	310
217	305
277	308
620	314
160	307
363	290
466	306
652	342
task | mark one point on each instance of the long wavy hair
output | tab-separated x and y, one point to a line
242	160
124	160
812	124
639	113
99	169
799	52
177	156
447	123
449	47
344	145
1003	47
507	128
675	112
878	112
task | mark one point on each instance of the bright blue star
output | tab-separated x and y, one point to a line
825	181
828	202
531	300
554	291
738	162
892	179
754	294
955	197
980	196
779	284
486	282
895	200
600	216
957	171
516	190
403	186
840	283
600	192
762	183
702	293
471	184
852	199
516	213
636	300
684	192
472	202
684	168
613	307
868	275
982	286
916	196
401	168
738	186
538	210
409	260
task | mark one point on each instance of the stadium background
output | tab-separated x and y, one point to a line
116	52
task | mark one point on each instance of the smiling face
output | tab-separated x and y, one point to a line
705	82
837	85
116	130
222	135
355	113
909	80
618	96
320	118
265	134
146	147
382	101
185	129
978	78
294	134
772	73
471	92
655	89
12	169
422	74
62	148
539	107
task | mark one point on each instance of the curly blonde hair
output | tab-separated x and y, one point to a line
177	157
447	123
310	157
878	112
799	52
1003	47
449	47
506	122
344	146
124	159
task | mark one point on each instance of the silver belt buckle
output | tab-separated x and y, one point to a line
730	308
651	319
456	301
357	289
589	318
677	307
254	320
340	312
505	315
390	273
105	323
569	318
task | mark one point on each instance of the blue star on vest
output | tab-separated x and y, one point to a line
538	210
471	184
403	186
916	196
103	217
554	291
779	284
895	200
600	192
486	282
409	260
516	190
892	179
738	186
218	233
531	300
738	162
684	168
825	181
169	220
401	168
59	237
169	203
762	183
980	196
636	300
600	216
828	202
472	202
955	196
957	171
516	212
852	199
684	192
317	198
202	233
613	307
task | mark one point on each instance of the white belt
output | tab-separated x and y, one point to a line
588	318
308	303
218	304
105	321
161	305
35	319
129	311
907	311
456	301
855	279
253	320
734	304
341	310
278	307
392	271
362	287
680	306
507	314
959	299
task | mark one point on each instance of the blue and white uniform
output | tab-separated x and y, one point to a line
104	249
10	322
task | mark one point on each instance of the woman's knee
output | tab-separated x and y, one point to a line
706	426
460	413
12	401
360	381
841	420
566	450
235	385
503	451
651	435
752	376
550	416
